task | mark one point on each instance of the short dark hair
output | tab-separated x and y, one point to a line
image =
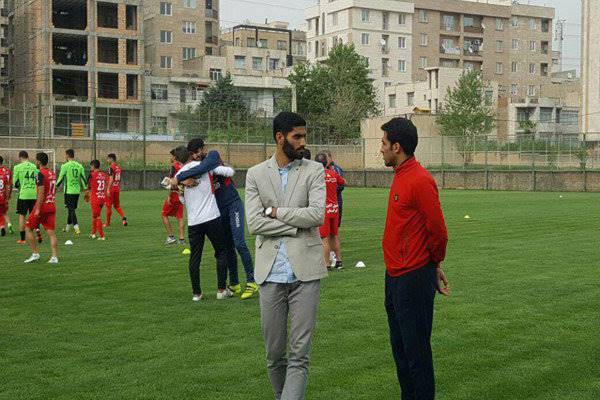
195	144
182	154
70	153
112	156
321	158
307	154
285	122
95	164
42	158
327	152
23	154
404	132
1	160
172	152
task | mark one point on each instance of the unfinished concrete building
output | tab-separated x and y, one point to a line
76	66
4	31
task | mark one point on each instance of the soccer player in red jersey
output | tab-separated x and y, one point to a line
44	211
97	195
5	192
114	190
330	228
173	207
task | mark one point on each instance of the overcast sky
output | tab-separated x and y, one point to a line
238	11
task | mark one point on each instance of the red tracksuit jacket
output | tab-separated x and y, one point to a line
415	231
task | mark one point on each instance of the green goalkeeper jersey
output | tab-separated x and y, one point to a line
24	177
74	176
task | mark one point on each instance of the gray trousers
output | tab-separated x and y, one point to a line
299	300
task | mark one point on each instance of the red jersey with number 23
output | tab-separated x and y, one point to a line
97	184
115	171
47	179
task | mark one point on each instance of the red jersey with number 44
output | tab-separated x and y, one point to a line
47	179
5	182
115	171
97	184
332	181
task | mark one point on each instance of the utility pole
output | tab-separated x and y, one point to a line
559	36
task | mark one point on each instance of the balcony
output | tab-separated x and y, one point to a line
385	50
452	28
213	14
473	29
455	51
212	40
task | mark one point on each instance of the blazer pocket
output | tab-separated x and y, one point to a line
313	241
259	241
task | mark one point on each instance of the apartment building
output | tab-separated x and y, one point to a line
75	66
590	70
381	31
4	32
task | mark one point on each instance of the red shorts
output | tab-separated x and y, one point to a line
46	219
3	207
331	225
172	209
113	199
96	208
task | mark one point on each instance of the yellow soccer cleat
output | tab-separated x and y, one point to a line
251	289
186	252
236	289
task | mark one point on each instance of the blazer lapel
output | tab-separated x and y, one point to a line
293	178
275	179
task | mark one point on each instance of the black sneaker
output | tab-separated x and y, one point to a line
2	232
124	221
338	265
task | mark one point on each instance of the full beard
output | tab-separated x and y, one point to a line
291	153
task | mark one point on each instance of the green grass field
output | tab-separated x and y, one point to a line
115	320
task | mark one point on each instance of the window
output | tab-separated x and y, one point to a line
240	62
514	89
251	42
532	45
182	95
365	39
499	46
449	63
367	61
189	3
365	15
531	90
159	124
189	53
532	24
309	24
257	63
499	24
263	43
401	42
166	8
215	74
166	37
166	62
423	62
546	114
423	17
515	44
281	45
385	67
392	100
159	92
514	67
402	19
273	63
402	65
334	19
499	68
489	95
410	98
189	27
469	66
515	22
532	68
424	39
448	23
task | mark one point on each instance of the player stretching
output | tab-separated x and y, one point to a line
114	190
96	194
173	207
330	228
24	176
44	210
73	175
5	192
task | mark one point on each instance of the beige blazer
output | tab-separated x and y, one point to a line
300	213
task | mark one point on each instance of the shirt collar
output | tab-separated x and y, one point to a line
407	164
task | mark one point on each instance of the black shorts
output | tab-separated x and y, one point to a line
25	207
71	201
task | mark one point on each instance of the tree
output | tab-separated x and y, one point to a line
223	97
337	94
467	114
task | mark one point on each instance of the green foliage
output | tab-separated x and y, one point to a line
466	114
529	127
337	94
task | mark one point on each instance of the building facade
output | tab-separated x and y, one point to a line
75	68
590	70
380	30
